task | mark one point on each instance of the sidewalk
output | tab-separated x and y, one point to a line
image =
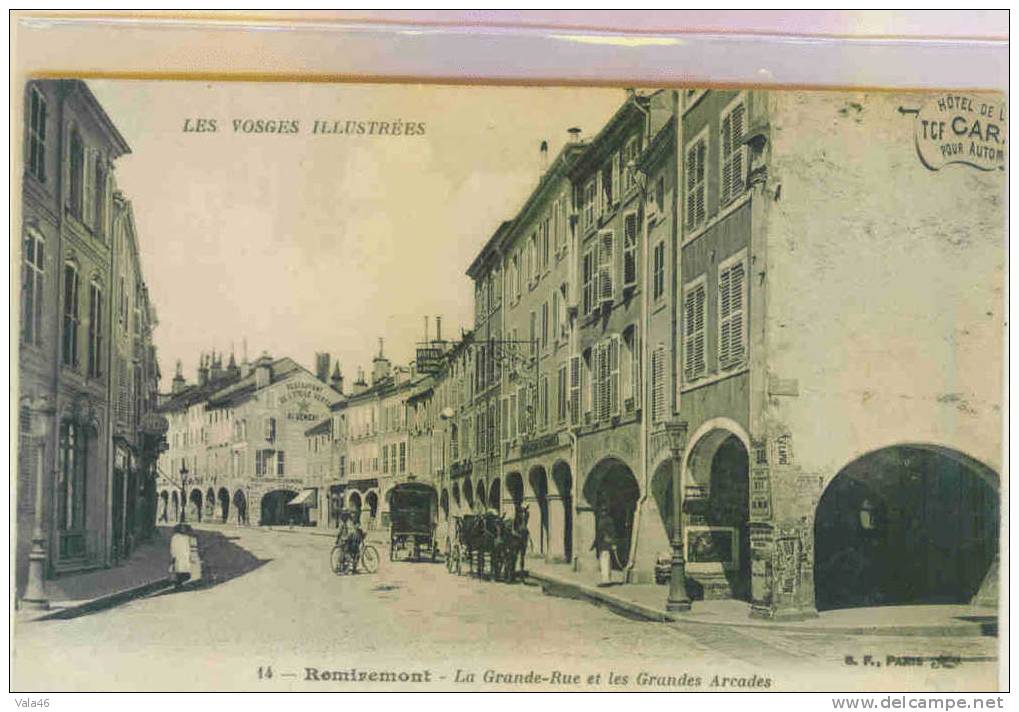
145	572
647	602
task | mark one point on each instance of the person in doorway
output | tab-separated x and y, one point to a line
180	555
604	544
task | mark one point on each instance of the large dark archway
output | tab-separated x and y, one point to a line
371	501
495	495
175	506
456	497
515	487
241	507
905	524
538	480
563	479
274	507
612	491
717	514
468	495
224	504
355	505
195	506
210	503
481	496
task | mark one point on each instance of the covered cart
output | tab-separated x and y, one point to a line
412	519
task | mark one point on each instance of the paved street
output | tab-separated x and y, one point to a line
273	603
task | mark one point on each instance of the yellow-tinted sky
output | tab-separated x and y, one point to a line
301	243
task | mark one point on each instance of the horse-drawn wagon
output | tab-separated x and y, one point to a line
412	519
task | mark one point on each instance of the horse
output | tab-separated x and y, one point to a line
516	537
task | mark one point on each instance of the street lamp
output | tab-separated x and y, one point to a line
40	412
183	491
678	600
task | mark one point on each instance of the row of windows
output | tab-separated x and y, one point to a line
732	164
550	238
390	460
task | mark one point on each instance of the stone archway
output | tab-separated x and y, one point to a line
210	503
195	505
716	519
906	524
538	480
515	489
224	504
495	495
612	491
481	496
274	507
468	495
355	506
371	502
457	502
561	513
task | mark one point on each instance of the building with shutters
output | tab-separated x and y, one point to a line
237	445
538	250
67	255
838	375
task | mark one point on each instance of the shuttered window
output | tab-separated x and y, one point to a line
32	288
36	134
658	271
504	419
606	265
696	182
590	199
630	249
588	284
636	365
612	389
693	331
733	153
95	331
561	394
731	301
575	390
658	384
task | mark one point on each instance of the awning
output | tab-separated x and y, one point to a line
307	498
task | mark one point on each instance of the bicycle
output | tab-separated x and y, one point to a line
342	563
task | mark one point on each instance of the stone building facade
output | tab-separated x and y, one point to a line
68	258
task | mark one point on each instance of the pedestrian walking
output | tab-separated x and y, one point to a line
180	555
604	543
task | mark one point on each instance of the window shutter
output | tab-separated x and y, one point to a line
614	345
694	333
617	171
691	182
701	207
636	365
658	384
605	258
575	390
630	249
738	119
699	304
724	312
726	141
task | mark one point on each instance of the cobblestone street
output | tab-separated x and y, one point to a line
272	603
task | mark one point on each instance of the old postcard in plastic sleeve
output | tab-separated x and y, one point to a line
336	387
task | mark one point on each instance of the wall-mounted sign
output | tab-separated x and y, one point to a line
429	360
961	128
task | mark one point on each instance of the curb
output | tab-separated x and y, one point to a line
555	586
110	600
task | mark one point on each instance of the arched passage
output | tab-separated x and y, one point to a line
538	479
468	494
240	507
195	506
210	503
563	479
274	507
515	489
456	497
371	503
481	496
164	507
224	504
495	495
444	504
175	504
906	524
355	505
716	522
612	490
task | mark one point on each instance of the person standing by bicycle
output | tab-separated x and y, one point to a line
350	537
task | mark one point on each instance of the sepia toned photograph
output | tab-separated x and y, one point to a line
352	386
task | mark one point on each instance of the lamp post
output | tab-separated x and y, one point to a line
183	492
40	412
678	600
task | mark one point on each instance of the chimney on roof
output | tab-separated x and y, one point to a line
179	384
263	370
203	370
217	367
336	380
438	328
574	133
381	367
543	158
232	369
322	367
359	385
